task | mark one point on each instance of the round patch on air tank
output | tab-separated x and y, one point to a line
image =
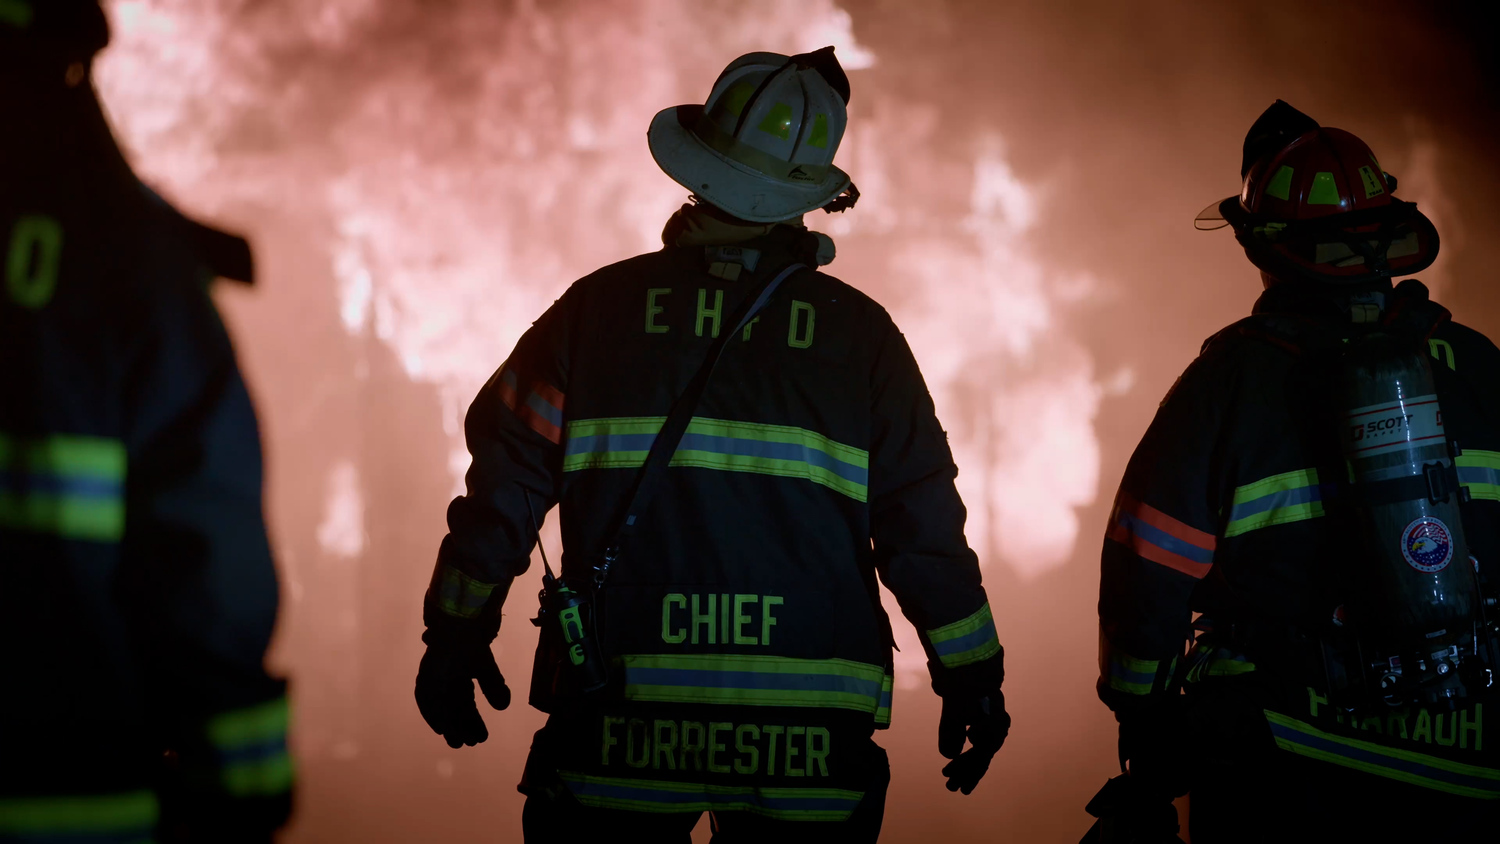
1427	545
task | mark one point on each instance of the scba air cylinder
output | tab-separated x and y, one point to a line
1401	462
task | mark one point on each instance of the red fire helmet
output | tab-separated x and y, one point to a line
1317	206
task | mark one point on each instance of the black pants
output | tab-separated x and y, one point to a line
561	819
1295	800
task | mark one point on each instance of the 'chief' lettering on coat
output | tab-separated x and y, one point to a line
718	618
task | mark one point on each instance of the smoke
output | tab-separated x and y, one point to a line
422	179
487	157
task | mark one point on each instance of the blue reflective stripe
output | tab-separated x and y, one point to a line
1478	475
139	836
1166	541
711	678
654	795
723	445
1365	760
1126	673
777	451
607	443
545	409
1276	500
966	642
81	486
258	752
639	795
1119	671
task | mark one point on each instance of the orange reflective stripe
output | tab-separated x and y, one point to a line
540	407
1156	536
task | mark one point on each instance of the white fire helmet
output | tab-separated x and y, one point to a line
762	147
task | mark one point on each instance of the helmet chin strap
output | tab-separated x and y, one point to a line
844	201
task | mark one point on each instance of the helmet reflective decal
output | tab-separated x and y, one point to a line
819	136
1372	182
1325	191
778	121
1280	185
736	97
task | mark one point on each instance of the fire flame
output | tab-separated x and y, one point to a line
456	171
474	166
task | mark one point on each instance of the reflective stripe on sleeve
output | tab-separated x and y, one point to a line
65	485
129	817
724	445
250	745
1209	661
1279	499
883	710
540	406
756	680
1160	538
790	804
1125	673
966	641
459	595
1480	472
1402	765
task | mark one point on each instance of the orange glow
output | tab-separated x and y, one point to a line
420	180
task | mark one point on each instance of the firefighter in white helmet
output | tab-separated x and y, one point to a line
724	648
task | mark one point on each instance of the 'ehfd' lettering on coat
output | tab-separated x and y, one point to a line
706	316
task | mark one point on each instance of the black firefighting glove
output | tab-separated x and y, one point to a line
445	686
1129	814
981	718
1136	808
1153	744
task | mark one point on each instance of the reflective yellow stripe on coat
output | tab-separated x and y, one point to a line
64	485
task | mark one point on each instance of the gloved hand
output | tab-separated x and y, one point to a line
983	720
1153	740
445	688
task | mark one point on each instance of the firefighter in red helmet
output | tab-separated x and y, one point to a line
1297	597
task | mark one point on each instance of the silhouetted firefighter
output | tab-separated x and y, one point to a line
137	594
715	640
1322	485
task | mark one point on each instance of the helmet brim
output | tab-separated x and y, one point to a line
1272	257
728	184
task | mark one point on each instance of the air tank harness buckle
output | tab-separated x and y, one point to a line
1436	484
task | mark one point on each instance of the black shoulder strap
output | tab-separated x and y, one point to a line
665	444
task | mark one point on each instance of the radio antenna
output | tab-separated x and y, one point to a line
537	531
